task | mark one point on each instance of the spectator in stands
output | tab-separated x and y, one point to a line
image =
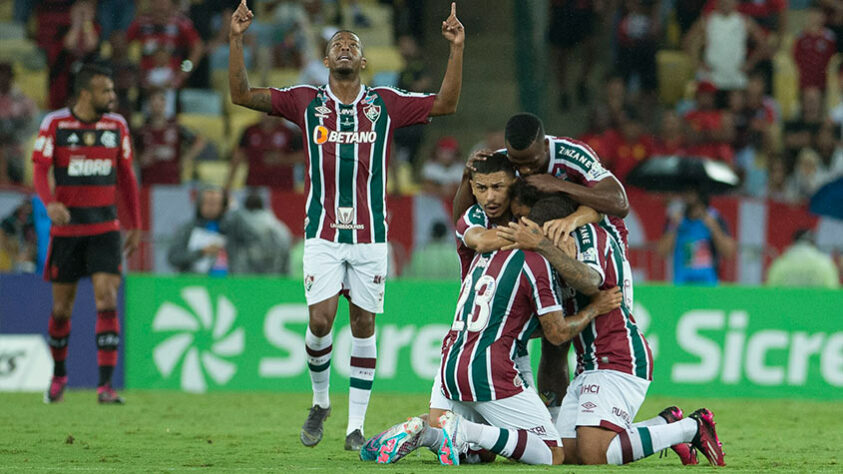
18	239
828	145
614	93
709	131
437	259
626	147
696	238
290	35
442	174
808	175
165	149
414	77
776	178
170	46
813	49
671	139
75	42
801	132
493	139
803	265
719	43
115	16
314	71
638	33
573	23
205	243
210	19
269	251
17	112
833	10
598	125
271	148
687	13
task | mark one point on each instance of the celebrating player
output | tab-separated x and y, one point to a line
90	152
347	129
614	362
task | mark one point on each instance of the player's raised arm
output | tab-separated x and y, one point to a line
558	328
254	98
449	93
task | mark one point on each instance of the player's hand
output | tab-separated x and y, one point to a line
479	155
241	19
569	247
524	235
607	300
132	242
559	230
58	213
544	182
452	29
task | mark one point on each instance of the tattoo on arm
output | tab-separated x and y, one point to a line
576	274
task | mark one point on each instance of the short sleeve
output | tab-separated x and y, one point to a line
406	108
42	151
290	102
473	217
588	250
544	295
579	162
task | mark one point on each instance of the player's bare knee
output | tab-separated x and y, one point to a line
62	309
363	325
558	455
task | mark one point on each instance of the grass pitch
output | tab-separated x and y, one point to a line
166	432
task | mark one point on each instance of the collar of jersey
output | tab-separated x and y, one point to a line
356	99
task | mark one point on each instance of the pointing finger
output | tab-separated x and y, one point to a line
453	8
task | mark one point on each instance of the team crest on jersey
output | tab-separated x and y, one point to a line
109	139
322	111
89	138
373	112
308	282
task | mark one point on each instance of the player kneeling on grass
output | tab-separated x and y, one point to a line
478	397
614	363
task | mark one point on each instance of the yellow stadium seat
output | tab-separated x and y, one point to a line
383	58
282	77
212	172
832	94
209	126
238	121
33	84
786	84
675	69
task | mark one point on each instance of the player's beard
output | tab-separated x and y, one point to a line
344	72
101	109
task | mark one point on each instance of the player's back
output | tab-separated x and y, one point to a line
499	297
611	341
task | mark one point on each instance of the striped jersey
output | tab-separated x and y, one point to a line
576	162
347	150
473	217
611	341
85	157
499	299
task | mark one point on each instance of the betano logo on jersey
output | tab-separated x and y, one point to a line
83	167
322	135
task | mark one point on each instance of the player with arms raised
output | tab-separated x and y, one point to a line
90	152
347	129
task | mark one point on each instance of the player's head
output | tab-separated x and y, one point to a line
525	144
211	203
524	197
344	54
94	88
490	182
157	103
552	207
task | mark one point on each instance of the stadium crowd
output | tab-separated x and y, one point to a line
753	84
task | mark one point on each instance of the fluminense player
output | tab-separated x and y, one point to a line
89	151
614	362
347	129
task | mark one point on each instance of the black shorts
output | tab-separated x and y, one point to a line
71	258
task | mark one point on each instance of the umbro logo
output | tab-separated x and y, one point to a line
589	406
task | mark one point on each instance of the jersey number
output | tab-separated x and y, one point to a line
484	291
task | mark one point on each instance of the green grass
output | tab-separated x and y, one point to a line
162	431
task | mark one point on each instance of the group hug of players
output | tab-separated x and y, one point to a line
537	263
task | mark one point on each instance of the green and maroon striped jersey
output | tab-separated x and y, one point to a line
347	148
611	341
500	298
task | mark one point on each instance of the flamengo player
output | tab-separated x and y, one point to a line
347	128
90	152
614	362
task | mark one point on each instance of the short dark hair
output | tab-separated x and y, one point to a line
253	202
86	73
522	130
328	43
552	207
492	164
526	194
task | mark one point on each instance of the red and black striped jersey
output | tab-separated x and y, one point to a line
85	157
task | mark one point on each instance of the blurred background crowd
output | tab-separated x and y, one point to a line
753	84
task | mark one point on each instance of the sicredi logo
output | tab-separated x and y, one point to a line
322	135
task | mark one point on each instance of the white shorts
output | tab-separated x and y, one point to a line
524	411
605	398
330	267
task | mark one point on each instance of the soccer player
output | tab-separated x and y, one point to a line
90	152
347	128
614	362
